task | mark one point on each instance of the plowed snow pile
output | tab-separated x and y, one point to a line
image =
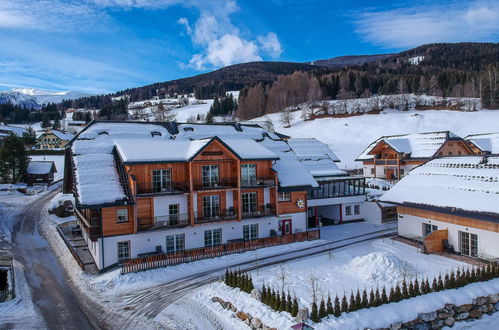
380	266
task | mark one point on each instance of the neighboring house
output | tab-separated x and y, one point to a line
53	139
454	199
40	172
392	157
484	143
6	130
143	187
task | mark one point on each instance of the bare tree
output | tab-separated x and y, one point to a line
282	275
285	117
313	285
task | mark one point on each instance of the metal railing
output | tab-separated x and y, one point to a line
223	183
385	162
174	187
221	215
259	211
261	181
167	221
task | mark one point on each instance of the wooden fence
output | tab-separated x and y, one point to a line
434	242
175	258
10	293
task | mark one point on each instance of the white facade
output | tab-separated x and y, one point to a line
105	250
350	208
488	242
367	170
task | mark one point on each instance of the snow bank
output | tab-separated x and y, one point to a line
381	266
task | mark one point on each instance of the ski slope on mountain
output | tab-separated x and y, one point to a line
349	136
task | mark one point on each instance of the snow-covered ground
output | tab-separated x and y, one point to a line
349	136
365	265
58	161
10	202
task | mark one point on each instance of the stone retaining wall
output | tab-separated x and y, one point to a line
253	322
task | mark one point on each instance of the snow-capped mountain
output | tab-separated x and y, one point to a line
34	98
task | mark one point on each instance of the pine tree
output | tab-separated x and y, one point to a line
410	290
358	300
417	289
337	306
273	300
264	294
434	285
452	280
392	297
447	284
314	315
13	159
440	283
289	304
398	293
352	306
404	291
377	297
372	299
277	301
282	306
226	279
364	302
322	309
250	284
384	298
209	118
45	121
294	309
329	305
344	304
56	124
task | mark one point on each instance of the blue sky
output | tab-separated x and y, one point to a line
101	46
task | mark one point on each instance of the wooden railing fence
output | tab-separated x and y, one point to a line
175	258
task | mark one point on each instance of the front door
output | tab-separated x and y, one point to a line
285	226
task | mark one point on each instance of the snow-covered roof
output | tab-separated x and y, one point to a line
133	151
6	129
467	183
485	142
417	145
41	167
248	149
63	136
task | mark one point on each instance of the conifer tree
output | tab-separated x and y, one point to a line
384	298
282	306
447	284
289	304
273	300
452	280
294	310
467	276
377	297
344	304
277	301
434	285
226	279
352	306
322	309
372	299
364	302
417	288
264	293
410	290
392	297
337	306
398	293
314	315
404	291
440	283
358	300
329	305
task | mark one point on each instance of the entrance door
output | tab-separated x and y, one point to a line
468	244
285	226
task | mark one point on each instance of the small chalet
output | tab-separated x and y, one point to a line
40	172
392	157
484	143
53	139
451	203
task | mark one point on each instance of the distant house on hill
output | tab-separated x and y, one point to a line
40	172
53	139
484	143
392	157
451	201
6	130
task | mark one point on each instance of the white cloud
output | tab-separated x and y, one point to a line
409	27
270	44
148	4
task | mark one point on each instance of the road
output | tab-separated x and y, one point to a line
51	293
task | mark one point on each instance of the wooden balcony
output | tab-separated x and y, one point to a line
164	222
92	226
223	183
222	215
257	182
260	211
155	188
385	162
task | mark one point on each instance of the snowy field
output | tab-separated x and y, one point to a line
349	136
365	265
58	161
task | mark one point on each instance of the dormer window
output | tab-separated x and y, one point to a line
103	133
155	133
188	129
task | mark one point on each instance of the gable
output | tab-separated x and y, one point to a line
383	148
214	150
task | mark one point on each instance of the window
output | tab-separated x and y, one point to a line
210	176
372	171
248	174
250	232
402	172
122	215
284	196
459	153
348	210
173	213
161	180
468	244
450	153
211	206
428	228
175	242
356	209
249	202
123	251
212	237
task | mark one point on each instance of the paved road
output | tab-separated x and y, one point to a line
50	291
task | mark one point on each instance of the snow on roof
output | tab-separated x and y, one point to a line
158	150
418	145
486	142
469	183
62	136
227	131
40	167
97	180
248	149
19	131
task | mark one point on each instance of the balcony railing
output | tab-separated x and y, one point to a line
92	225
174	187
161	222
385	162
259	211
262	181
338	188
222	215
223	183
